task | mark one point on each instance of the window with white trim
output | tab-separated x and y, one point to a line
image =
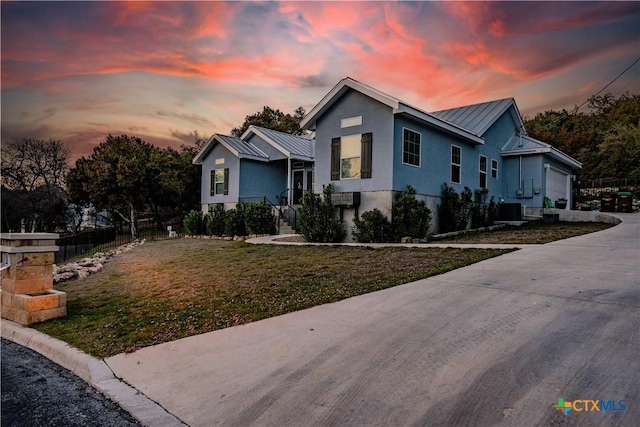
350	148
411	147
482	168
494	169
456	163
219	182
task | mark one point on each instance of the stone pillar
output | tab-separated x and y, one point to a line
27	278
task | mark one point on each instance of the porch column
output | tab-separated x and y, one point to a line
289	189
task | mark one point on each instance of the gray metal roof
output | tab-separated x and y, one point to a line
297	147
243	149
476	118
522	145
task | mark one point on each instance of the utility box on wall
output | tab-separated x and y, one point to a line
346	199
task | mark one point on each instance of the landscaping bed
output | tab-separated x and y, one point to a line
533	232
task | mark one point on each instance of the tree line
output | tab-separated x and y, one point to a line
124	177
605	139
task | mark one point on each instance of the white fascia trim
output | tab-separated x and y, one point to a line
559	155
515	115
268	140
308	122
197	160
428	118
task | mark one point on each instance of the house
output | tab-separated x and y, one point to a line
261	164
371	145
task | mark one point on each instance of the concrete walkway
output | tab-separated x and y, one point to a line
494	343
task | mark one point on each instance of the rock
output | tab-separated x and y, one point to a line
83	274
406	240
87	266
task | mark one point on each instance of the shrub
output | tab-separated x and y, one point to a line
194	223
317	217
464	212
259	219
410	217
234	221
483	214
215	221
372	227
448	209
457	210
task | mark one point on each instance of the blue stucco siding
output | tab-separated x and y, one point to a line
229	160
377	118
500	131
261	179
435	164
522	172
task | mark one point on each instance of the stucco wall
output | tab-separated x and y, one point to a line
262	179
208	164
377	118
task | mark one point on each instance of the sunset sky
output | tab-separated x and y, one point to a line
78	71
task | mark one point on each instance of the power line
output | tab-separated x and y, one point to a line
575	110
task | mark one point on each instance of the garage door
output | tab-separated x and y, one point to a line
557	184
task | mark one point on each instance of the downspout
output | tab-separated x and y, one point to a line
520	174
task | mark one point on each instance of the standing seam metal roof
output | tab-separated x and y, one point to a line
476	118
243	148
297	146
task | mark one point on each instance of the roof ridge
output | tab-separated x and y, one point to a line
510	98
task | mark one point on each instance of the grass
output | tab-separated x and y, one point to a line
533	232
162	291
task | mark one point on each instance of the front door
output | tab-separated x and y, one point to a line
298	186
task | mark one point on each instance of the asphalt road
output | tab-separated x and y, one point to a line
37	392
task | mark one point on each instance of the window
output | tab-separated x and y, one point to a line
351	156
494	169
219	182
351	121
411	148
483	172
456	164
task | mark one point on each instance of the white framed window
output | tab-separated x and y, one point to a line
482	169
350	149
456	163
411	147
494	169
219	182
351	121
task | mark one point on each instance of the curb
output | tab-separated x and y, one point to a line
92	370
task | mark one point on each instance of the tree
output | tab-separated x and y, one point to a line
273	119
33	177
126	175
595	138
120	173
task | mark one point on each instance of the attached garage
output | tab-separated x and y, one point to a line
558	184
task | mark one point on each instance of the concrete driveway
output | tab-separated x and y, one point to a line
495	343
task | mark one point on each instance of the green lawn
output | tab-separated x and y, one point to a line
162	291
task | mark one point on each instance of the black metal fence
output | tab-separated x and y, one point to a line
101	240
